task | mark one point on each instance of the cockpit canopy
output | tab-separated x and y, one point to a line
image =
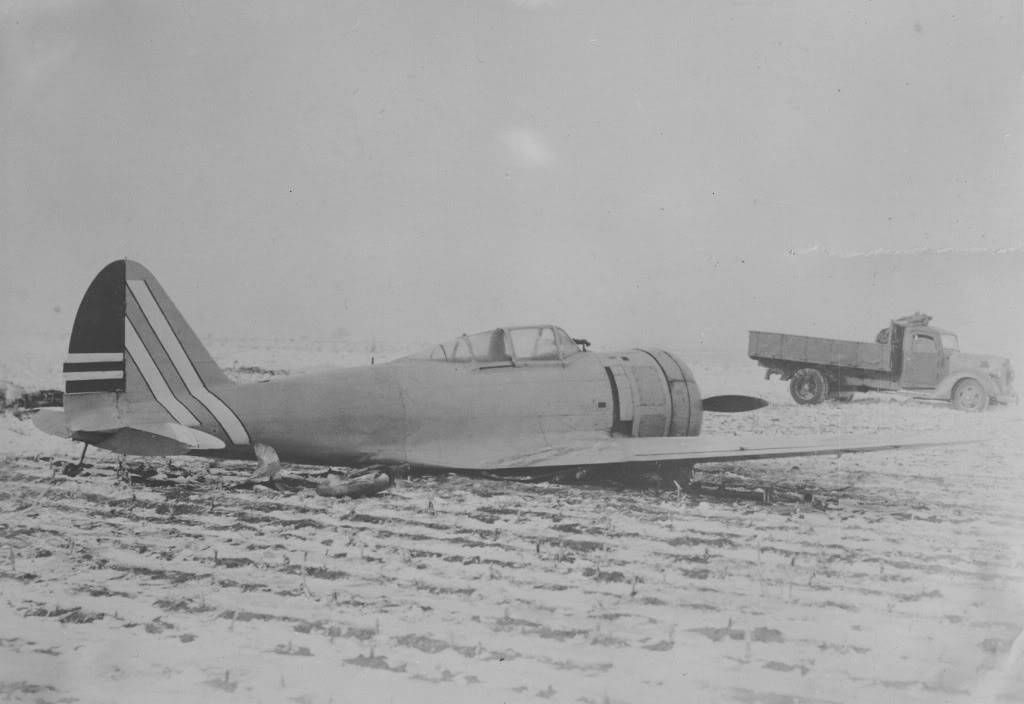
528	343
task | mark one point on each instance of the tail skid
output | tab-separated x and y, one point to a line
137	379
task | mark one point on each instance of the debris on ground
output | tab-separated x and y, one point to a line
21	401
367	484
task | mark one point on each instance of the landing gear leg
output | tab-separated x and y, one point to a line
73	470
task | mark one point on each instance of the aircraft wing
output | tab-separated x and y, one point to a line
669	450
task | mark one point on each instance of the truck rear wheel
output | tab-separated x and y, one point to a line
808	386
969	395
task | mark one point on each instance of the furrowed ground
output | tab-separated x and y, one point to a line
903	580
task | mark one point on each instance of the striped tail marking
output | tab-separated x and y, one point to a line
154	380
181	364
94	366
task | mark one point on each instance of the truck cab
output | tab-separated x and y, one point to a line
925	353
928	359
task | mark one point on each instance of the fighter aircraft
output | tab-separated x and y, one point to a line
514	400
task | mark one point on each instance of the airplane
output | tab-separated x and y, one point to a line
526	401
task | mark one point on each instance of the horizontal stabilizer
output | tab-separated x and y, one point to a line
158	439
52	421
149	439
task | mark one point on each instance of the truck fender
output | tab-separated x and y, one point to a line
945	388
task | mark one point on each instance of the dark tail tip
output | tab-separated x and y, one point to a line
95	359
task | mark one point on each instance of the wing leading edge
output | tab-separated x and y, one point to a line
662	450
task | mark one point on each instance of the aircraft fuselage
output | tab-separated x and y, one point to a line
378	413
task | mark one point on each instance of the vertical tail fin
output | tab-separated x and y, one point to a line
96	352
133	359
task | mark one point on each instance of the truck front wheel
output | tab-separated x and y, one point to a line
969	395
808	386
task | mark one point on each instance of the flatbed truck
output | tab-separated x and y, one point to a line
910	355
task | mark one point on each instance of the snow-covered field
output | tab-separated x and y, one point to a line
908	587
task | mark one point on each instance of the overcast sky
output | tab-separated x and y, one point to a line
663	172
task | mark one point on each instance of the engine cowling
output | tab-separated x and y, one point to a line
654	393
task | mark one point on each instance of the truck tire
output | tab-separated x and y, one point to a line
969	395
808	386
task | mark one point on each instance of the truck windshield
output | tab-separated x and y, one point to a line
949	342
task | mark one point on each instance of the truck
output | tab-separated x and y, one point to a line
910	356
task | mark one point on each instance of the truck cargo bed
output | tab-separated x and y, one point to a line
779	347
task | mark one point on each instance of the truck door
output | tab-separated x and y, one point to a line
921	361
